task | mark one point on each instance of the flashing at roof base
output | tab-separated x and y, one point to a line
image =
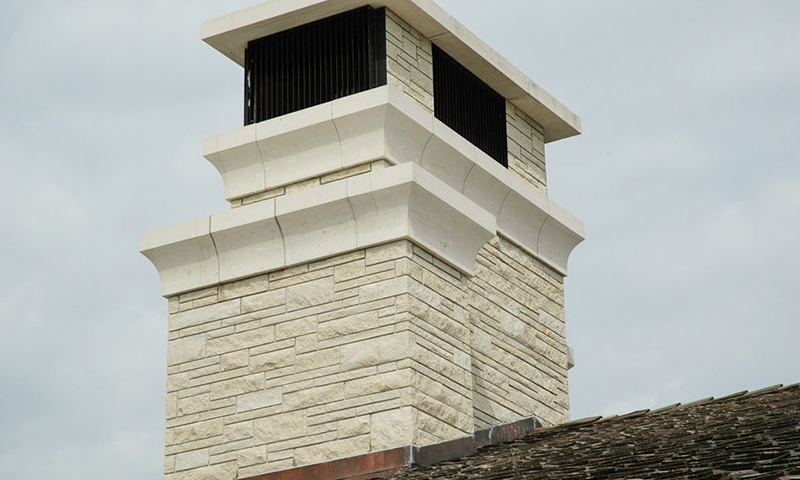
388	462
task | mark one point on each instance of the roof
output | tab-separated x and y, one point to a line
230	34
743	436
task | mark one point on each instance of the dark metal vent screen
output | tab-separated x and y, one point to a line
472	108
315	63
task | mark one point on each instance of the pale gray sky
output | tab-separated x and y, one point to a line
687	176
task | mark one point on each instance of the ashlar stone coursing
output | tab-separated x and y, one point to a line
409	60
526	147
367	350
410	69
361	352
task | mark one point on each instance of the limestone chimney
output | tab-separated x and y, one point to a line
391	271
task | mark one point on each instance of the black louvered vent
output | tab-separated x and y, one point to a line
466	104
315	63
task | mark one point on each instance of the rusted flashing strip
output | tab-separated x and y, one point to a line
384	464
371	464
442	452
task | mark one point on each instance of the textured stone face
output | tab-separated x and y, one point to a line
362	352
367	350
409	60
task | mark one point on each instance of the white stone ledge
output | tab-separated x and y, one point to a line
385	124
230	34
401	202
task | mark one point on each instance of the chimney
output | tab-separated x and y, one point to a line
391	271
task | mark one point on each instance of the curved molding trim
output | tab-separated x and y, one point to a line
391	204
377	124
385	124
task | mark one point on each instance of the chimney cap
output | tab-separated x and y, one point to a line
230	34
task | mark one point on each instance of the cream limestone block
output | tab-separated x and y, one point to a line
408	129
549	238
378	351
197	431
275	16
354	426
309	294
317	360
313	396
235	360
449	156
348	325
570	358
248	239
447	223
474	54
538	103
277	428
252	456
257	400
263	301
407	201
186	349
189	460
379	383
295	328
225	471
299	145
560	235
240	341
349	271
523	215
360	120
394	428
272	360
380	204
325	452
236	156
316	223
389	251
381	123
488	184
238	431
183	254
237	386
199	316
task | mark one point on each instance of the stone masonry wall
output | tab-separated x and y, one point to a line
526	147
520	350
366	351
361	352
337	176
409	60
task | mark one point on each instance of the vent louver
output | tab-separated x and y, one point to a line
469	106
315	63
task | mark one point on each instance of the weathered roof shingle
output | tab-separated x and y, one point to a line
749	436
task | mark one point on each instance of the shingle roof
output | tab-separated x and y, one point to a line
743	436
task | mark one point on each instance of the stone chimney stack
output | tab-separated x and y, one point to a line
391	271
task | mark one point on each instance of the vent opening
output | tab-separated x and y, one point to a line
315	63
463	102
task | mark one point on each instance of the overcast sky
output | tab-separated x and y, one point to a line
687	177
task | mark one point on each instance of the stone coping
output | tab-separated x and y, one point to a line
384	123
230	34
401	202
